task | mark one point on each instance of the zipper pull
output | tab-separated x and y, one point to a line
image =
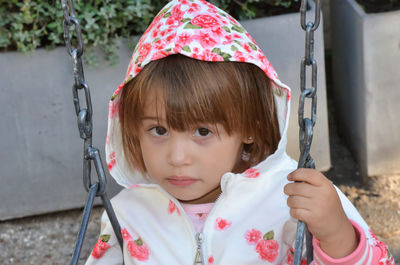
199	257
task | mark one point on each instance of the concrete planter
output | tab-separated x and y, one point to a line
366	64
41	152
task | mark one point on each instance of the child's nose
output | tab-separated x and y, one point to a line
179	152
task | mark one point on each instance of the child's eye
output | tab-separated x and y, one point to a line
202	132
159	131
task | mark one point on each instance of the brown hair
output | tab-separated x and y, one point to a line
236	95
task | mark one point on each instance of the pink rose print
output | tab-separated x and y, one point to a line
267	249
136	69
101	246
176	12
134	186
112	109
251	173
211	260
184	2
212	10
155	32
222	224
193	8
205	40
163	33
218	32
112	162
159	55
247	47
229	39
207	55
184	39
170	37
261	58
231	19
118	89
270	71
177	48
253	236
205	21
240	56
176	16
207	4
144	49
138	250
159	44
290	258
172	207
125	234
386	257
236	36
154	23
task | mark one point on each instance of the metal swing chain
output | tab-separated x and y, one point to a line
85	126
307	124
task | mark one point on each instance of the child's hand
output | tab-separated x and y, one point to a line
314	200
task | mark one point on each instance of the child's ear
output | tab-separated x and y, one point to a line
248	140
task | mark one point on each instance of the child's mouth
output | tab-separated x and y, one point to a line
181	180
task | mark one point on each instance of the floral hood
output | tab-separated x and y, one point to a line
200	30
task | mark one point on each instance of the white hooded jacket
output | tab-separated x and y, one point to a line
250	222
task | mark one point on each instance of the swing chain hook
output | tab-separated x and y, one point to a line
307	124
85	126
84	115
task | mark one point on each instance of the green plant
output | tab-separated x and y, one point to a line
29	24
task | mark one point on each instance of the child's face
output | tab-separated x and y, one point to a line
188	164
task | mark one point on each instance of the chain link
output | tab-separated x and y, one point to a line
85	126
307	124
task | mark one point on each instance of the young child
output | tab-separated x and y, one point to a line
197	136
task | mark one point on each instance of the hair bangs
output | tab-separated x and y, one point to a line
190	94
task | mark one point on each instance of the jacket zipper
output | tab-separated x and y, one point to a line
198	260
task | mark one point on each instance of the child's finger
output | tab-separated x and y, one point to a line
299	189
299	202
308	175
300	214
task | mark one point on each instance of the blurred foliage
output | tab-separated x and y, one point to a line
29	24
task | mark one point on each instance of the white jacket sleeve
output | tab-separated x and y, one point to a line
107	250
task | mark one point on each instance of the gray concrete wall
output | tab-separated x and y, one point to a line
40	148
366	63
382	92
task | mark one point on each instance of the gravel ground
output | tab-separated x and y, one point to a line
50	239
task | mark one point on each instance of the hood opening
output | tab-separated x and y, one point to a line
192	42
